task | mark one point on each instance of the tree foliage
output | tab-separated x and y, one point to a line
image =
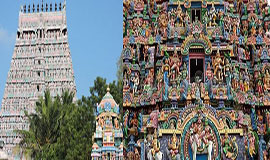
63	129
100	89
59	129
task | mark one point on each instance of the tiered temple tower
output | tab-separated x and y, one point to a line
108	138
196	79
41	60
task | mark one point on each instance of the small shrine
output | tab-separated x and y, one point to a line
196	79
108	137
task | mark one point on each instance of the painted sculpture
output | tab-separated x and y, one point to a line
203	87
108	136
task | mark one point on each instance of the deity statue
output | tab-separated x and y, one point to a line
154	118
261	127
133	130
259	87
175	63
116	123
235	78
180	15
159	79
155	144
227	72
250	144
163	23
240	119
205	19
187	19
218	67
136	82
212	14
201	137
155	152
241	84
179	124
230	147
173	146
125	80
172	124
221	18
166	73
266	80
246	81
209	73
136	154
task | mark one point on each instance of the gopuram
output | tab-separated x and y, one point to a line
108	138
41	60
196	79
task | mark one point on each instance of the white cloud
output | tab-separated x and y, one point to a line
6	38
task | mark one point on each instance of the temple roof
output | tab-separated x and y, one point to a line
107	104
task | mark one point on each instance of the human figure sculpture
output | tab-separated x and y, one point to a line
180	15
173	146
193	140
154	118
159	79
240	119
166	70
246	81
155	152
116	123
209	73
218	67
266	80
250	144
136	82
175	63
261	128
163	21
201	138
212	14
209	142
230	147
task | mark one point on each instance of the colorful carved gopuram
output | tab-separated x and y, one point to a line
108	138
196	79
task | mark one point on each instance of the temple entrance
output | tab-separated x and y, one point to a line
200	137
198	156
196	67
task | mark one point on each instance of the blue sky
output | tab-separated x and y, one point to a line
95	38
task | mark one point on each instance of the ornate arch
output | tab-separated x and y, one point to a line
185	135
193	41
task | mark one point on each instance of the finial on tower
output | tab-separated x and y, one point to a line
24	9
42	6
108	89
55	7
50	7
29	8
60	6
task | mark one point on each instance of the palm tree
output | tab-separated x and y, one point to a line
60	128
44	125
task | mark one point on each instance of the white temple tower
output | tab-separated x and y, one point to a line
41	60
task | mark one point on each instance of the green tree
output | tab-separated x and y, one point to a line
100	89
59	129
63	129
